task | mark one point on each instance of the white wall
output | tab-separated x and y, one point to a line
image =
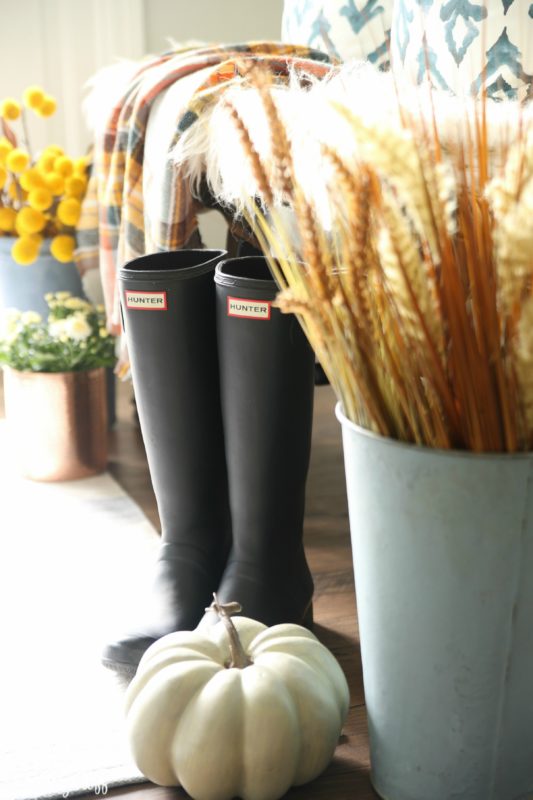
59	44
210	20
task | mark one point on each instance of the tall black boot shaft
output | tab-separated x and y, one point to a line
267	385
168	308
169	320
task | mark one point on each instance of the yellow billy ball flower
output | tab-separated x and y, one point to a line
103	333
75	185
46	161
55	150
68	211
81	164
17	160
3	177
55	182
33	97
40	198
5	148
63	166
9	109
25	250
31	179
29	220
7	219
47	107
62	247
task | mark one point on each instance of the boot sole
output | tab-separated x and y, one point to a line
122	669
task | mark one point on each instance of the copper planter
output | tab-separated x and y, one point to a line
57	423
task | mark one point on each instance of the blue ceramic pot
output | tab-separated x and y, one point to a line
24	287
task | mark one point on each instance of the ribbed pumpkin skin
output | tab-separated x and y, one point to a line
225	732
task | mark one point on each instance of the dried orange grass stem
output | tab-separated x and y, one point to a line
405	297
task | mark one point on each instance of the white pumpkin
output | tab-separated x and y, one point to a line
240	710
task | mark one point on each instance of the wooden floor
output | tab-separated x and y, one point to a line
329	554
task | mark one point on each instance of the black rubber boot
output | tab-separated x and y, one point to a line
168	307
267	384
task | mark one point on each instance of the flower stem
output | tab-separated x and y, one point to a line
25	134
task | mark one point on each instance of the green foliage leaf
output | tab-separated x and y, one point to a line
73	338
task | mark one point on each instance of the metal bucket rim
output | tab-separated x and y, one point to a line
422	449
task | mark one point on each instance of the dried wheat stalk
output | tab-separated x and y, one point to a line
418	298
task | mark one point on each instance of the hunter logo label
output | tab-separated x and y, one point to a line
146	301
249	309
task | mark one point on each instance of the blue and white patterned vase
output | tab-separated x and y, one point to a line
465	46
345	29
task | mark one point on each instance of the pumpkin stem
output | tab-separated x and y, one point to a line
239	658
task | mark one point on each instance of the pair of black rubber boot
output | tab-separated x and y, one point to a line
224	390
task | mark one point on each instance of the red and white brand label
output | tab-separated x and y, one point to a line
146	301
249	309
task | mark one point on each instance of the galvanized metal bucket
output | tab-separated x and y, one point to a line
443	559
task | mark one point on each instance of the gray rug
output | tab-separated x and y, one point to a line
71	556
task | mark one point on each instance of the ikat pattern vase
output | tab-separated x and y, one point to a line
465	47
345	29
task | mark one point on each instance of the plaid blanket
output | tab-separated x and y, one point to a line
111	227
